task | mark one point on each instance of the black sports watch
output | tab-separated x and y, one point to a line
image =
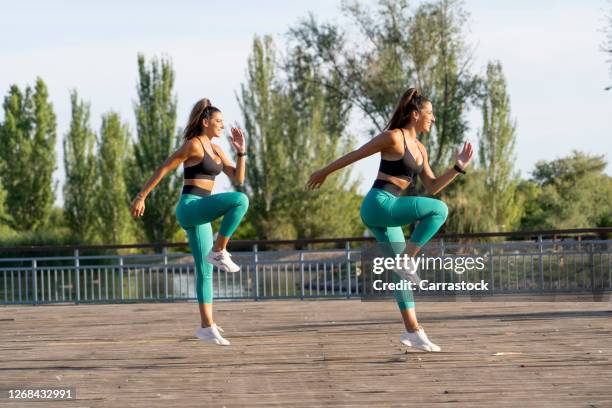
458	169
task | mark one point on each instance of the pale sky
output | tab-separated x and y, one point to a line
550	53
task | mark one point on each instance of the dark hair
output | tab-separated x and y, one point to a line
409	102
203	109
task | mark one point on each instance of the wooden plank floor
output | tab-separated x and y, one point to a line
312	353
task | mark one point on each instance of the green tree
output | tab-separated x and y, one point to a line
80	166
317	135
400	47
467	212
157	138
260	104
28	136
575	192
112	201
3	227
294	126
533	217
2	198
496	152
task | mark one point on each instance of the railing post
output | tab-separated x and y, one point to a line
34	281
165	253
302	275
121	277
77	276
255	273
442	252
491	272
592	265
541	262
347	247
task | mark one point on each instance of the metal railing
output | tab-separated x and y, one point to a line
535	266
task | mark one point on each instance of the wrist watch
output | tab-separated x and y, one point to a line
458	169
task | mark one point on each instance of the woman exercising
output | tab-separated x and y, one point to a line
197	208
384	209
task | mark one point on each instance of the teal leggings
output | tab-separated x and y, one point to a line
195	213
384	214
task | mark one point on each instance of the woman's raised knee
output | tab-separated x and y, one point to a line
442	210
242	199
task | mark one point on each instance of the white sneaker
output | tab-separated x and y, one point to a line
419	340
211	334
222	260
410	272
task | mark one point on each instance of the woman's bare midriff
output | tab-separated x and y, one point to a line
202	183
402	183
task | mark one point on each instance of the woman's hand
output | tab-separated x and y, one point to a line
237	140
138	206
463	158
316	179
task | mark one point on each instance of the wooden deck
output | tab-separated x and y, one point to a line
312	353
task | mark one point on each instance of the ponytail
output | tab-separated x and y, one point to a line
409	102
203	109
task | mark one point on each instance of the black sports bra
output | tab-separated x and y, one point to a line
406	166
208	168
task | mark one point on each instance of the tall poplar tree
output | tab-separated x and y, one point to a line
497	140
294	126
80	167
112	200
156	139
27	156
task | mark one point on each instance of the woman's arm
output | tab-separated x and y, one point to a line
435	184
137	208
378	143
236	174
